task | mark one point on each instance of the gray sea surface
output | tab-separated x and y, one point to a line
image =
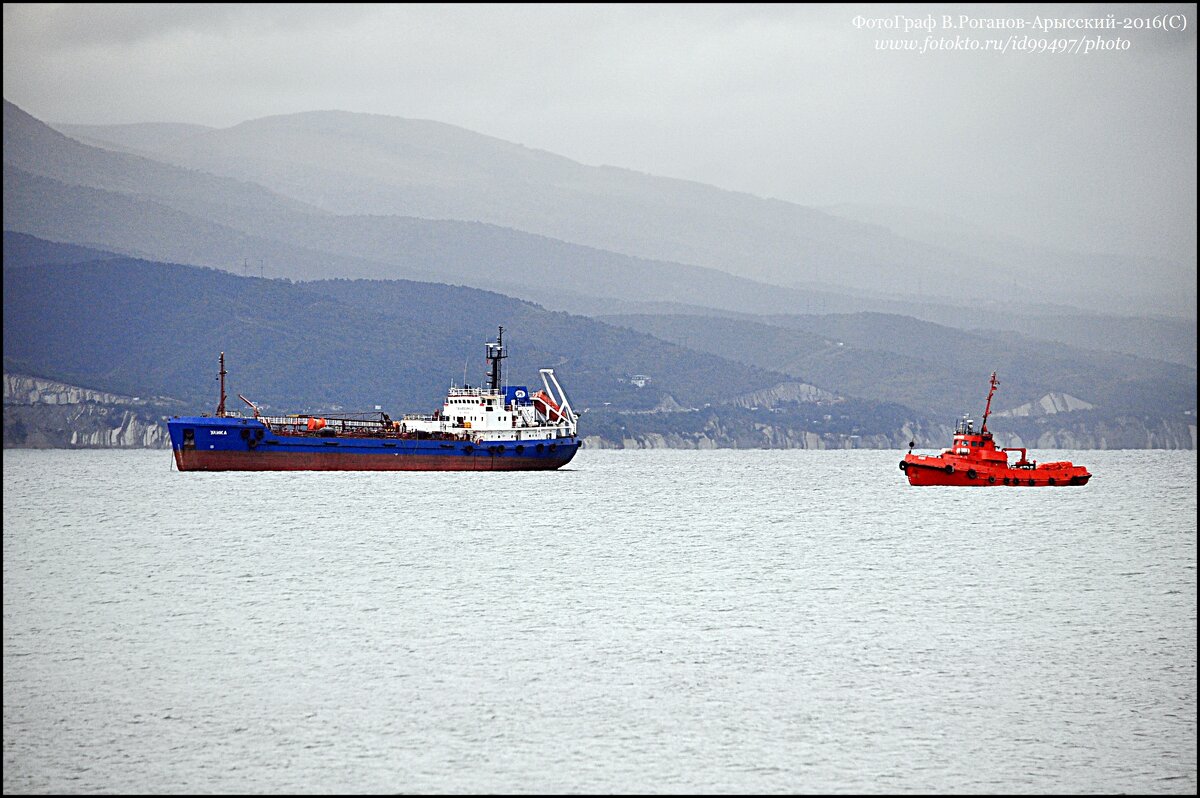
641	621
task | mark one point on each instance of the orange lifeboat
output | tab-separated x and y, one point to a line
547	406
973	459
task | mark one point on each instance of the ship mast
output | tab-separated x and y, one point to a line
988	409
496	353
221	406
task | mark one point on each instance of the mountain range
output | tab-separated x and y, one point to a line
364	164
150	197
135	327
399	229
126	326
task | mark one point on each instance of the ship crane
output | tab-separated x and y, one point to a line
988	408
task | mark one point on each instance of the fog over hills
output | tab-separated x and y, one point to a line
64	190
162	211
1155	285
342	346
939	369
26	251
35	147
347	163
101	322
316	247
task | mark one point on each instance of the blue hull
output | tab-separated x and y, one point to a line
203	443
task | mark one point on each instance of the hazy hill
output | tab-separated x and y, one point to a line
61	189
379	247
137	207
22	250
33	146
1172	340
351	164
934	368
1158	286
133	224
1111	378
144	137
139	328
153	329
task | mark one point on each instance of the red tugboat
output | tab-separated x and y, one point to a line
973	459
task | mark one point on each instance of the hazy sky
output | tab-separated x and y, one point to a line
1094	150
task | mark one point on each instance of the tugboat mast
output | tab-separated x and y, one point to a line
221	405
496	353
988	409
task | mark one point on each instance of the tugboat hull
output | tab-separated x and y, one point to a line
923	470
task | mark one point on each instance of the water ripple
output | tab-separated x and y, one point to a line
659	622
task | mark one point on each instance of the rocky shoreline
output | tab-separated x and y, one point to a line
45	414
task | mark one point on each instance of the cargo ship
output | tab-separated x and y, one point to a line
497	427
973	459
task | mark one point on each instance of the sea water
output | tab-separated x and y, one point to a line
640	621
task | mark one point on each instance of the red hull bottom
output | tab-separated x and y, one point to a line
296	461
